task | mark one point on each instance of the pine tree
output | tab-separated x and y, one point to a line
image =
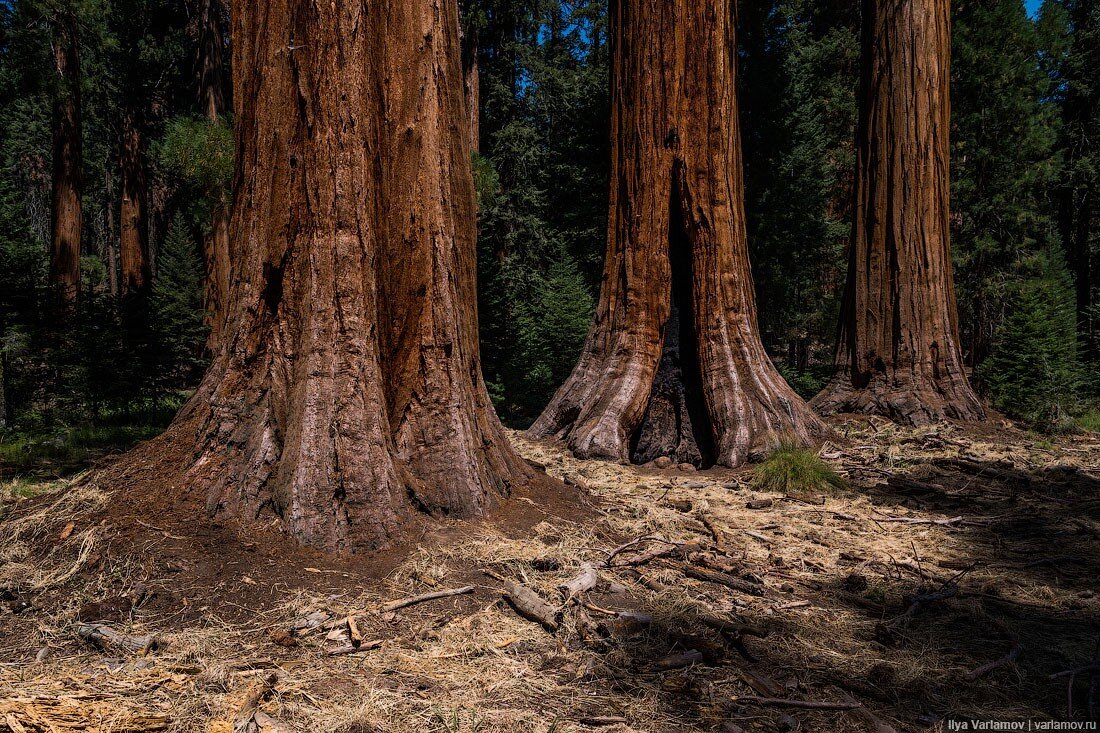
1004	161
178	315
1032	371
799	77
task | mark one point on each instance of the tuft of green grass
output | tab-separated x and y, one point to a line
792	469
1090	421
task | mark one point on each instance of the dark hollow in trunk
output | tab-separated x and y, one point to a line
347	394
898	352
673	364
676	423
66	216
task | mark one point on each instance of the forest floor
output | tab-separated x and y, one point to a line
949	579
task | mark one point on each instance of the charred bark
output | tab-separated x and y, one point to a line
673	364
136	270
347	392
212	100
898	351
66	216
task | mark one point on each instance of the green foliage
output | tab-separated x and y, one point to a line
178	315
552	327
798	80
1033	371
1003	161
806	382
1090	420
541	179
792	469
22	452
200	152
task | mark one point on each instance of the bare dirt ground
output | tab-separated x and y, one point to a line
951	577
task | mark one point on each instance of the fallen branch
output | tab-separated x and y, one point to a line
912	486
413	600
715	532
632	544
528	603
354	648
976	468
1093	669
920	520
104	636
877	725
949	590
679	661
245	720
1013	652
783	702
602	720
730	581
584	581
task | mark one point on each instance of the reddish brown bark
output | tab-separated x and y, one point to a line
133	240
673	364
347	393
898	353
212	100
68	160
471	83
209	63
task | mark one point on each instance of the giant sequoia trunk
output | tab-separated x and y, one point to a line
673	364
212	101
68	159
898	353
347	393
136	272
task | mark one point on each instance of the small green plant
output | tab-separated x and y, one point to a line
792	469
1090	420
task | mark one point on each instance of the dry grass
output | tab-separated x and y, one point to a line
470	663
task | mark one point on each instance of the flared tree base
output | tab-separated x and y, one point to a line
907	401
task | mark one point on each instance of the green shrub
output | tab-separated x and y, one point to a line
1033	372
199	152
792	469
805	382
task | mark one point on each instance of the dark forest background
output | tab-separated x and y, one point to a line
1025	177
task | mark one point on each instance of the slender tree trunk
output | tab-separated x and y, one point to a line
209	62
673	364
136	273
898	353
67	162
212	100
110	243
471	83
347	393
